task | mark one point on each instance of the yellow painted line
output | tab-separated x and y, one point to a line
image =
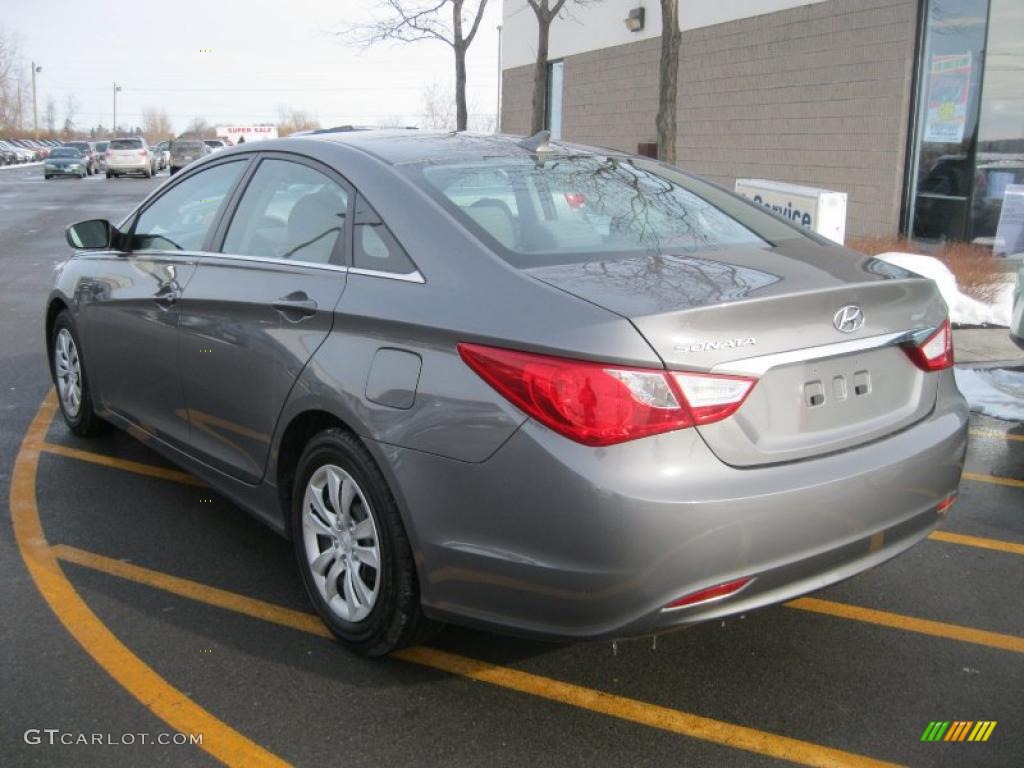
976	541
193	590
995	434
165	701
619	707
910	623
137	467
1007	481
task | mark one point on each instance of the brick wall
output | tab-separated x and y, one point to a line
817	95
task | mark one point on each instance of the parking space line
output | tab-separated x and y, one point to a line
612	705
910	623
139	468
165	701
1007	481
976	541
995	434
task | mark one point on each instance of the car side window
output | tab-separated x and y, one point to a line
374	247
180	219
289	211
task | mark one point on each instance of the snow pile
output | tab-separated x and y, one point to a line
963	310
998	393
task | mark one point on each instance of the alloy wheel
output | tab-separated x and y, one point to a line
68	369
341	543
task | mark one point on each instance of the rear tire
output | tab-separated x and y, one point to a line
109	174
67	368
373	610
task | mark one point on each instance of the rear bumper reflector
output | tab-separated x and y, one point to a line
711	593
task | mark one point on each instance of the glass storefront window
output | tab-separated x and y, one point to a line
553	114
969	137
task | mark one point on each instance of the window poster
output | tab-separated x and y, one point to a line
949	84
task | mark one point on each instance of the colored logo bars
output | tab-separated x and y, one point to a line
958	730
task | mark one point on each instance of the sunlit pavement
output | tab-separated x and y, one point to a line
137	601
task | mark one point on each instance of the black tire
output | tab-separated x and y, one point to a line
173	170
85	423
47	175
396	619
109	174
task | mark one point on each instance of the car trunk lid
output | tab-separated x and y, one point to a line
769	313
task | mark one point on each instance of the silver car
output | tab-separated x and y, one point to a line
555	390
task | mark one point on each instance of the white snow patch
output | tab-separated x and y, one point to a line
963	310
998	393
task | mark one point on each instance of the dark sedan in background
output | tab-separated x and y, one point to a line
65	161
560	391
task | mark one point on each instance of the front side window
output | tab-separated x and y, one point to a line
546	210
181	218
289	211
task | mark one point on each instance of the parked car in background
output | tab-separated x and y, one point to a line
34	153
163	153
22	154
1017	317
101	155
215	144
604	397
65	161
130	155
88	151
185	151
7	155
227	142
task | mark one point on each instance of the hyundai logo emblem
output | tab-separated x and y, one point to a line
849	319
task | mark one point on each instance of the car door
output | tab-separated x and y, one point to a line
130	311
255	312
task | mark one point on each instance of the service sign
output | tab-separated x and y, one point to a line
819	210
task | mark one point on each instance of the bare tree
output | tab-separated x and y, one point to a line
50	115
668	81
410	21
200	129
290	120
437	108
70	112
545	11
10	101
156	125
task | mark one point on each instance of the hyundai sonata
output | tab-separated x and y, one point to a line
564	392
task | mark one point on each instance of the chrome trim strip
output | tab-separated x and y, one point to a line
758	366
408	277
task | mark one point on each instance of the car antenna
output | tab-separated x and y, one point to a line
539	142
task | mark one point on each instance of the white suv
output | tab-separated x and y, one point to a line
131	155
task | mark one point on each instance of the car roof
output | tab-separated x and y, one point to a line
401	146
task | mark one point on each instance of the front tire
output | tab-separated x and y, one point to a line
352	549
67	368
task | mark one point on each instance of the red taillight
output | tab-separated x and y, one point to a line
575	199
936	352
945	504
711	593
601	404
143	152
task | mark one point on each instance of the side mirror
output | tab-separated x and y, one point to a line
91	234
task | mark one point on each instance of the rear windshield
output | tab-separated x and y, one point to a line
126	144
101	146
546	209
187	146
214	143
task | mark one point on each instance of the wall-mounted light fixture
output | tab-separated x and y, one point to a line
635	21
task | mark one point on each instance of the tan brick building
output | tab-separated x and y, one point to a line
914	108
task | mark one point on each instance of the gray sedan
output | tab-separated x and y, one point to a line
559	391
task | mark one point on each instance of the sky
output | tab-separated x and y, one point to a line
238	61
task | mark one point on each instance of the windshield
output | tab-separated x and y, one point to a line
101	146
66	152
78	145
539	211
214	143
126	144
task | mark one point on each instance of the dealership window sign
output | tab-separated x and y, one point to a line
949	86
1010	232
819	210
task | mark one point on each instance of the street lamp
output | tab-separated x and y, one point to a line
116	89
35	113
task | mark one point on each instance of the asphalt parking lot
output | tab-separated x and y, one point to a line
136	601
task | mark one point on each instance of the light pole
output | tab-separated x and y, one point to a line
35	113
497	115
116	89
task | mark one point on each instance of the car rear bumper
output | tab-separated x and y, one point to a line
555	539
128	166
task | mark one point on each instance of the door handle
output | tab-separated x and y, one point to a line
297	303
